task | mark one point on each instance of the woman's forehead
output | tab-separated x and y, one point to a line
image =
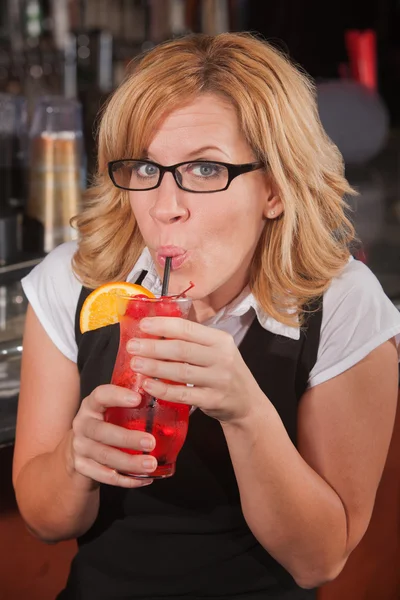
206	122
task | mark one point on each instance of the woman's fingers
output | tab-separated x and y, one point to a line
98	472
107	396
114	458
97	445
172	371
176	328
114	435
177	393
175	350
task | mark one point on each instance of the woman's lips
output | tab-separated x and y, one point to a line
178	255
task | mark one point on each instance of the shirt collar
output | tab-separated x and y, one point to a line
237	308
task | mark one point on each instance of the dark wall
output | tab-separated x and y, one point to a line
312	32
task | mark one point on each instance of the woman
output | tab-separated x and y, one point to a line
276	481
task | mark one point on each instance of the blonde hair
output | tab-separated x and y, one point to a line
299	253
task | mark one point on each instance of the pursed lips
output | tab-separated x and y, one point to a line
179	256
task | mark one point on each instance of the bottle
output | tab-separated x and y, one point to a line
12	174
55	171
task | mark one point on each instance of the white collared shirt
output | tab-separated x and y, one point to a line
357	315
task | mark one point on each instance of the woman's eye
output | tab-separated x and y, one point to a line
146	170
204	169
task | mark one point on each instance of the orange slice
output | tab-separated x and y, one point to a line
100	307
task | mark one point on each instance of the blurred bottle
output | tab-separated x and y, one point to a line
6	143
33	18
13	174
215	16
56	172
13	151
361	49
177	18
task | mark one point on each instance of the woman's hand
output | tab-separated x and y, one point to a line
223	386
95	442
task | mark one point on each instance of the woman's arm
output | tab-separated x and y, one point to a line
60	456
308	507
55	501
311	508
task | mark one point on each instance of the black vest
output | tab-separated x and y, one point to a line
186	536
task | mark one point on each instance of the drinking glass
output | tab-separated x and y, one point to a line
166	421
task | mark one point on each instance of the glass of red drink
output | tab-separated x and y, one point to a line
166	421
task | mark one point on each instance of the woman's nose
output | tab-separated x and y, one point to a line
169	205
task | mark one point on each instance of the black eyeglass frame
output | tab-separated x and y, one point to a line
233	172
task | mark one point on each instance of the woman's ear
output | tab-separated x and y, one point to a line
274	208
273	205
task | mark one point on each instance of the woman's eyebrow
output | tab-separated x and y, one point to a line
193	153
204	149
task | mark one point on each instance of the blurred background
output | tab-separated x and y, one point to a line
59	61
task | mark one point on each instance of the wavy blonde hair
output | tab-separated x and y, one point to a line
299	253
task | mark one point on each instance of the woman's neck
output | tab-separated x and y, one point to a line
206	308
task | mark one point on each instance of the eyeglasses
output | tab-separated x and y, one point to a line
199	177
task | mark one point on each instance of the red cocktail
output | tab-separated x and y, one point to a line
166	421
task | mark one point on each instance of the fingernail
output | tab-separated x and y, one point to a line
137	363
146	325
145	482
132	398
149	463
147	443
133	346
